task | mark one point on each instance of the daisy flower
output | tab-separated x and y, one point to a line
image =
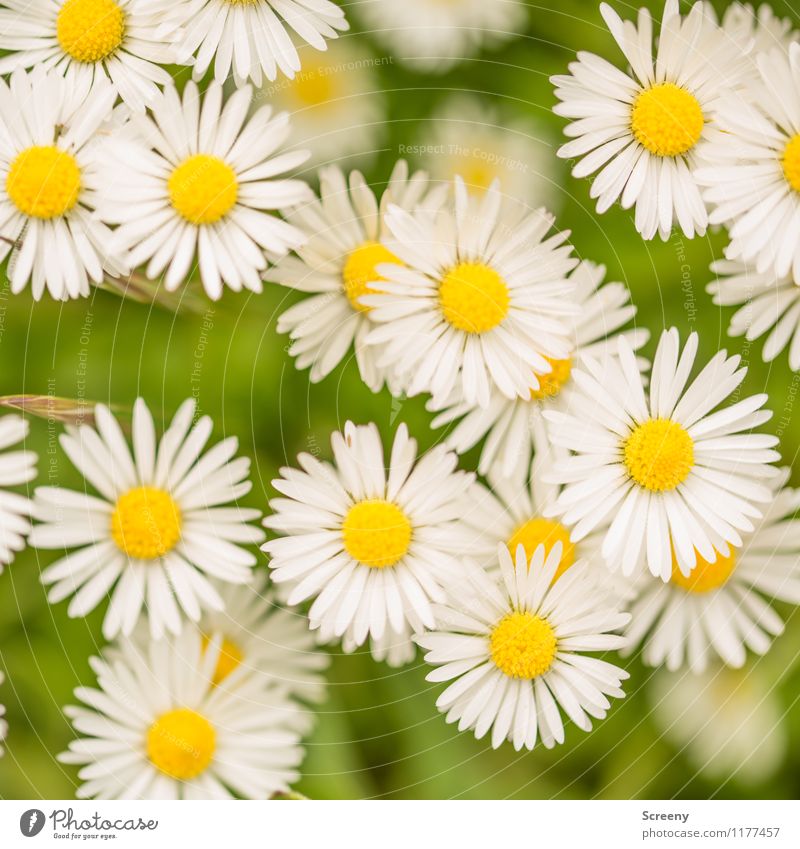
479	302
49	177
665	464
92	42
373	550
643	130
512	646
158	727
197	178
157	531
752	169
431	36
514	428
251	39
344	229
16	468
718	608
770	305
758	26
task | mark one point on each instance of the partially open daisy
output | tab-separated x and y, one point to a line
344	229
158	529
16	468
196	179
479	302
514	428
719	607
513	645
643	130
251	38
158	727
49	178
91	42
373	549
674	479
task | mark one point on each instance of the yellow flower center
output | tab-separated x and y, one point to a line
181	743
90	30
473	297
146	523
230	656
659	454
523	645
376	533
550	384
667	120
539	531
203	189
705	576
44	182
477	173
359	269
791	162
313	86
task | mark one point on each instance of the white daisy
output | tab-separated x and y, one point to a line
770	304
90	42
197	178
3	723
665	464
250	38
757	26
344	229
514	428
373	550
432	36
158	727
752	169
718	608
16	468
158	530
480	302
643	131
512	646
49	177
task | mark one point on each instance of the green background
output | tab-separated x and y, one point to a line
378	733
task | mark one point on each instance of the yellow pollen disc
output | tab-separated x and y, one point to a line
90	30
473	297
477	173
181	743
203	189
359	269
539	531
523	645
146	523
791	162
667	120
44	182
659	454
705	576
376	533
550	384
313	86
230	656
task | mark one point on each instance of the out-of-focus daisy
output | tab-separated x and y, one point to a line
770	305
674	479
512	646
718	608
374	550
514	428
197	179
752	169
643	131
431	35
157	531
757	29
479	302
159	727
344	229
91	42
3	723
16	468
728	722
49	178
251	38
